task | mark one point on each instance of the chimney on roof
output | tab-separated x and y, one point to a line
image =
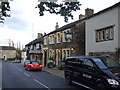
89	12
57	26
40	35
81	16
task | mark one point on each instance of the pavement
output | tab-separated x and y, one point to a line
54	71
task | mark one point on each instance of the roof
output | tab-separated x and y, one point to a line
35	41
105	10
70	25
73	23
7	48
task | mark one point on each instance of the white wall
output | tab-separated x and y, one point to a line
24	55
119	27
97	22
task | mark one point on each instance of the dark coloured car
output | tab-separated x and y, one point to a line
98	73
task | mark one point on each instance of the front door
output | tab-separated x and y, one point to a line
4	57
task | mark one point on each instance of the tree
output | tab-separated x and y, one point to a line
4	8
64	8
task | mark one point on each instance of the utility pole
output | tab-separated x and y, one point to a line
32	31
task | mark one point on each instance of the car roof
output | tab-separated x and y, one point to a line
85	57
80	57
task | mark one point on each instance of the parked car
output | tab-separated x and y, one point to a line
51	64
17	61
99	73
33	66
26	62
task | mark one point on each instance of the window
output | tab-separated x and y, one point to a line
58	38
64	36
32	47
45	40
88	62
37	46
105	34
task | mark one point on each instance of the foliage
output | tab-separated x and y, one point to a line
64	8
10	59
4	8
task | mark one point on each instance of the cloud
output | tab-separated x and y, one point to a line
16	23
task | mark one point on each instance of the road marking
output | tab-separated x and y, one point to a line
26	74
20	70
16	68
42	84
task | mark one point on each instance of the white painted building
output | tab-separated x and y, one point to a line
103	31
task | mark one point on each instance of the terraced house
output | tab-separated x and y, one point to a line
63	42
34	49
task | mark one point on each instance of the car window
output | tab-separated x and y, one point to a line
99	63
110	62
35	63
88	62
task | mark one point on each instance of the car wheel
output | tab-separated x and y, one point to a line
68	80
40	69
28	69
25	68
100	87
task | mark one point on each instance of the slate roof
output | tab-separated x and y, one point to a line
35	41
7	48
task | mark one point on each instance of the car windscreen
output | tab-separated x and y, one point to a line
34	63
99	63
110	62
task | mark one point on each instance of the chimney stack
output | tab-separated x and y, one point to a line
81	16
89	12
40	35
57	26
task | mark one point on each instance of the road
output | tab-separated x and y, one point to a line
0	75
15	76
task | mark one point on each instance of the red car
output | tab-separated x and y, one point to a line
33	66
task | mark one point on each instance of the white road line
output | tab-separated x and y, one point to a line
42	84
26	74
20	70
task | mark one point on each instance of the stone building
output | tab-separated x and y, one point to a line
7	52
66	41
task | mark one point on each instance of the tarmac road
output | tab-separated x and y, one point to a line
15	76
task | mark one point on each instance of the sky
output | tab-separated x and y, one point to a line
24	24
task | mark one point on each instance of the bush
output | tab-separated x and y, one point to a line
10	59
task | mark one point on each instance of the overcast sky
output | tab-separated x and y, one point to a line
25	22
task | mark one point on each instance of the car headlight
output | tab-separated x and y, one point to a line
112	81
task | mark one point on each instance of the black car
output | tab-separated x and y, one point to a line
99	73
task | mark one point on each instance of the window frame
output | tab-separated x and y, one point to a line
104	34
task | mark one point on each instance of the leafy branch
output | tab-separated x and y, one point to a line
64	9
